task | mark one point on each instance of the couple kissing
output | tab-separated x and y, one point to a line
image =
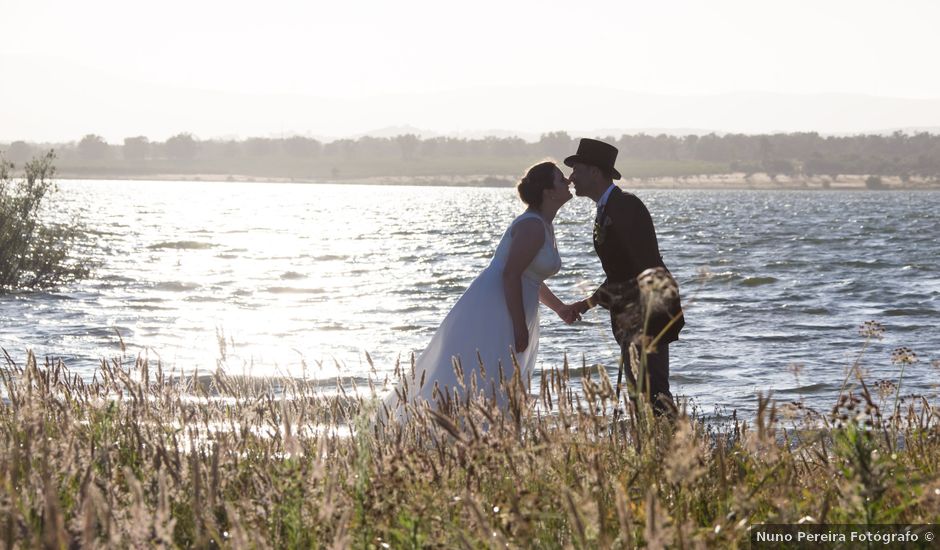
493	329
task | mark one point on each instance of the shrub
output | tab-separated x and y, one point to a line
874	182
34	252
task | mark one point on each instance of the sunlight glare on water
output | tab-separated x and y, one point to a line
320	274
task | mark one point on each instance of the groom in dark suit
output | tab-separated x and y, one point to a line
625	242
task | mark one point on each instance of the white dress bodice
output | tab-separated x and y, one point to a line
547	261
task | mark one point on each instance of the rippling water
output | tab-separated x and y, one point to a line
309	277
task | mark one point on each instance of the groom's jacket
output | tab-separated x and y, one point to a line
625	242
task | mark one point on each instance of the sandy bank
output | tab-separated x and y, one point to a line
712	182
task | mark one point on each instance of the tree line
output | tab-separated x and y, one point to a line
793	154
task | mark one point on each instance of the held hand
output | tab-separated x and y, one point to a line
521	335
581	306
569	313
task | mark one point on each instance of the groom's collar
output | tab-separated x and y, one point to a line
601	202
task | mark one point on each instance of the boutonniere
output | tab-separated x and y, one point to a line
600	229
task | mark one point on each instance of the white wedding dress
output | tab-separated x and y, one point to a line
480	323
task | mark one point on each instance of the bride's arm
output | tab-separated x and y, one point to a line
568	314
547	297
528	237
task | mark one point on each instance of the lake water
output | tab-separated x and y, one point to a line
304	279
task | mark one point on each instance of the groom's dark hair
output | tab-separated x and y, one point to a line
536	179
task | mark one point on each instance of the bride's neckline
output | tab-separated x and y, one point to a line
539	215
547	223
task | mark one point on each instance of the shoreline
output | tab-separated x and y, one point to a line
714	182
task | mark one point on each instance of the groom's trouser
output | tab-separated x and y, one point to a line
657	379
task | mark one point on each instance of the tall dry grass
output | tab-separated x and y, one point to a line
136	458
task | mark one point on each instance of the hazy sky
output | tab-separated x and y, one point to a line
88	55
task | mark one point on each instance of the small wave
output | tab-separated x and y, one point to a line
102	233
330	258
904	312
175	286
410	309
100	332
293	290
769	337
117	279
146	299
450	287
758	281
149	307
410	291
292	275
200	299
809	388
51	296
688	378
406	327
867	264
181	245
787	263
816	327
724	276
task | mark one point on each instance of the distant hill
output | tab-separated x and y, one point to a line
807	155
423	133
910	130
48	110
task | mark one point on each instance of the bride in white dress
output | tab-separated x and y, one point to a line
498	315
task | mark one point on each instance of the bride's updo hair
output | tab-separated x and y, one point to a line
537	179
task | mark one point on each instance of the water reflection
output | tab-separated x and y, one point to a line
318	274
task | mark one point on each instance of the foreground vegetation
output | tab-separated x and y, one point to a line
137	458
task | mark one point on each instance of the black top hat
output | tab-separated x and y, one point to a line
596	153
